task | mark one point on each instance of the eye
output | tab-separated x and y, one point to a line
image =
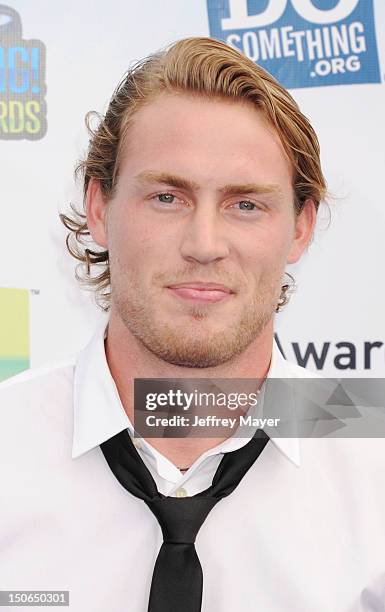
165	198
245	206
166	202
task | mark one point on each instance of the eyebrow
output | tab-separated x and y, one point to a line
149	176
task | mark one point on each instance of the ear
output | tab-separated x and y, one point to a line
304	228
96	210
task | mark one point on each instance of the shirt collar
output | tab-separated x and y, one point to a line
280	368
99	413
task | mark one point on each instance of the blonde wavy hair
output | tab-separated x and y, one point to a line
207	67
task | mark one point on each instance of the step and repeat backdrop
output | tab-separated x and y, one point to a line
60	60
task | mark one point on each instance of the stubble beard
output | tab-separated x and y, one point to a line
189	342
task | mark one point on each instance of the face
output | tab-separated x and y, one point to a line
200	228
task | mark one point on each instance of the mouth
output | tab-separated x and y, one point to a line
201	292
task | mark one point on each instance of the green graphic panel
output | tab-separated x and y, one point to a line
14	331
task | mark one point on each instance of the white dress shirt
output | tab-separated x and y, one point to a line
304	531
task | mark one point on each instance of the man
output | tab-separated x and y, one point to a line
201	184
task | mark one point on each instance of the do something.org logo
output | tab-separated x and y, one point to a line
23	108
302	43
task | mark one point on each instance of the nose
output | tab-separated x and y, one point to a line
203	238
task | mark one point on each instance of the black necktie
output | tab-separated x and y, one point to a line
177	578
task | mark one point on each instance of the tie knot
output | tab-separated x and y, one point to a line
181	517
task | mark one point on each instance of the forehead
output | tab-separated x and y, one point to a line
206	139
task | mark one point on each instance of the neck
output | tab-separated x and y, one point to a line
128	359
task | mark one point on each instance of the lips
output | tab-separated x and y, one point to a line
199	291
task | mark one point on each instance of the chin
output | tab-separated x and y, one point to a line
198	324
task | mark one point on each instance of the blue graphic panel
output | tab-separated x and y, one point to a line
302	43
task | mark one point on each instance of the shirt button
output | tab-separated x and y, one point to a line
181	492
136	443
